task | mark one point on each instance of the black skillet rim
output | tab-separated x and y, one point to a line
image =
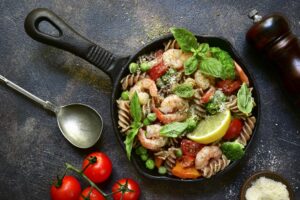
116	92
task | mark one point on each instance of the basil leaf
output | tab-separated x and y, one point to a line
191	65
226	61
203	48
135	110
174	129
212	67
129	141
184	90
245	100
185	39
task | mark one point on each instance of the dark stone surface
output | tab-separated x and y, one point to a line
32	150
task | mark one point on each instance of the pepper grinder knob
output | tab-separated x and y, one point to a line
253	14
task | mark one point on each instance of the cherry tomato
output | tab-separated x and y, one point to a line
190	147
187	161
100	170
68	190
94	195
132	193
229	86
208	95
234	129
157	71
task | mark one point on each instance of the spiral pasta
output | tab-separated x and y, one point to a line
170	160
247	130
200	107
131	79
124	119
171	44
215	166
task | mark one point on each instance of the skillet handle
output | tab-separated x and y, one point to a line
68	39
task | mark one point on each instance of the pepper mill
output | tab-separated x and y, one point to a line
272	36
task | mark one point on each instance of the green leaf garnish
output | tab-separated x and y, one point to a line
129	141
191	65
245	100
185	39
174	129
135	110
211	67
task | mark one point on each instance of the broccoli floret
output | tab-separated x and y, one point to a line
217	103
192	123
233	150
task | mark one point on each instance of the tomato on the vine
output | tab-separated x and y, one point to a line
100	167
190	147
234	129
126	189
91	194
66	189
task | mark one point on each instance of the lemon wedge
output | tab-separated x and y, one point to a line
211	128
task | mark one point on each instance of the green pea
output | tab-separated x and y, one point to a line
125	95
151	117
162	170
178	153
133	67
145	67
150	164
144	157
146	122
142	150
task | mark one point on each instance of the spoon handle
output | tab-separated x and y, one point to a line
46	104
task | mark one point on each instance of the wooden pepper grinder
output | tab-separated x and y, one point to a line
271	36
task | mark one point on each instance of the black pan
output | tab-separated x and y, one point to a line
117	68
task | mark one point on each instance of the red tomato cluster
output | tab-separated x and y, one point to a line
97	167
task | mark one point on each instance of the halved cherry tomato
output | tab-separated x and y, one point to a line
180	171
241	73
234	129
208	95
187	161
68	190
190	147
157	71
93	195
229	86
132	192
98	171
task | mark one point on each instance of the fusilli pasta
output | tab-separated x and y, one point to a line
247	130
124	119
215	166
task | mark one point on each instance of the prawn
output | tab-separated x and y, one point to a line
141	88
206	154
203	81
175	58
151	139
172	108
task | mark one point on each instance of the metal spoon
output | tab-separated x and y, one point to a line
80	124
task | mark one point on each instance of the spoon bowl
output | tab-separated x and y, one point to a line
80	124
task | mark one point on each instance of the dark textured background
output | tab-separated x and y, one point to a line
32	150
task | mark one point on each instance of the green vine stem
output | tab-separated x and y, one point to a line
72	168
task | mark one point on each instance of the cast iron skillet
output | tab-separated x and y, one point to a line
117	68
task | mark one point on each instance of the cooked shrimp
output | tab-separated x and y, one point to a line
141	87
175	58
172	109
151	139
173	103
205	155
201	80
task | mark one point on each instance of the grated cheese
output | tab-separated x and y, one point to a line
267	189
